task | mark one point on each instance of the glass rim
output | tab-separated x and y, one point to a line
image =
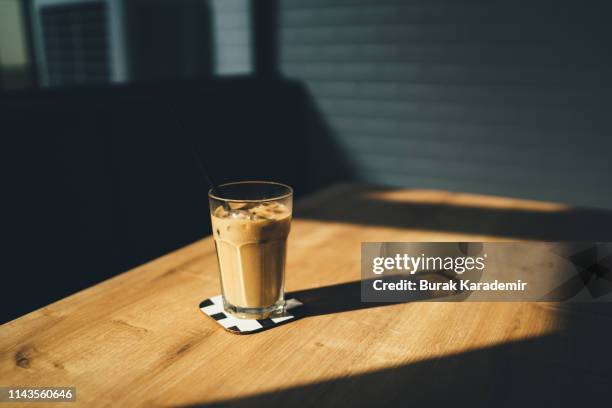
279	197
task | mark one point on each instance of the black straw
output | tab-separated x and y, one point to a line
190	145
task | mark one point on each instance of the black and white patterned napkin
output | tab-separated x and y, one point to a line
213	307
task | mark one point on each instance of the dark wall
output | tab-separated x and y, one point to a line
100	180
507	97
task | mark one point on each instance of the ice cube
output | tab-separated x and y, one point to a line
259	212
240	214
236	206
220	212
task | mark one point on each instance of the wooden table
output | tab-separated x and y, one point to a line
139	339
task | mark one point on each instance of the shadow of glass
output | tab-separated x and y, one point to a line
345	297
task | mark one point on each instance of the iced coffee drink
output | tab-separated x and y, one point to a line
251	222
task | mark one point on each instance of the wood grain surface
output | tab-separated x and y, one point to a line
139	339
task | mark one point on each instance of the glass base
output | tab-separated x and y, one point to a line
276	310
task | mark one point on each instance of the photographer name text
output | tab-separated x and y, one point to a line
407	264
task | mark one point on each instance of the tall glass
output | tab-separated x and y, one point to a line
251	221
